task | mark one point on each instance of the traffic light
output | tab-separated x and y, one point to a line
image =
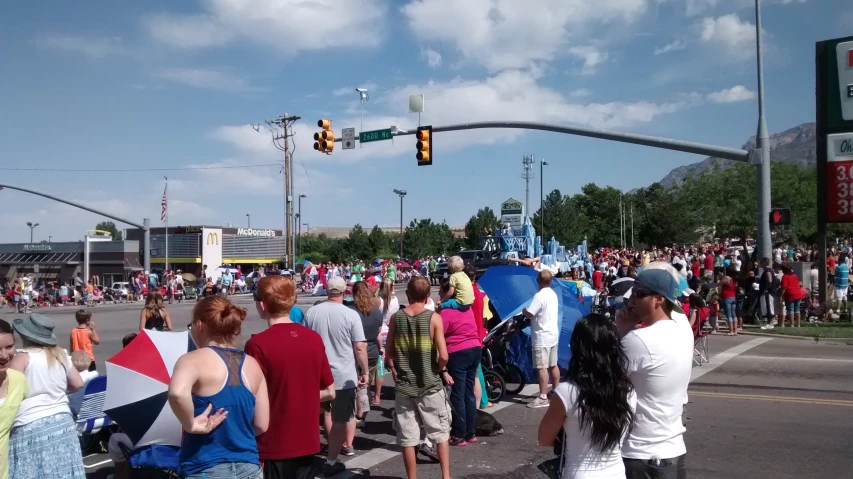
324	141
424	145
780	217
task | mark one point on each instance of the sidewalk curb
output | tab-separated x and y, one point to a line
843	341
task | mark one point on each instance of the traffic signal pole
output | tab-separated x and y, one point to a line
725	153
144	226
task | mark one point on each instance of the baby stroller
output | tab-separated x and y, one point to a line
502	376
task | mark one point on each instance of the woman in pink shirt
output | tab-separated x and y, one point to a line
464	349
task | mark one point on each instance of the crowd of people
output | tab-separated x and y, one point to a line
618	412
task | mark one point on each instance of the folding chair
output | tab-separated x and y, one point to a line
700	343
91	419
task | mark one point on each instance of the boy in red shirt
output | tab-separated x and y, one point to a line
792	294
299	378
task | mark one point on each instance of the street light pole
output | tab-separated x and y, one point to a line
762	141
542	164
401	194
32	227
249	220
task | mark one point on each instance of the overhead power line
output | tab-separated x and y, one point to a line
120	170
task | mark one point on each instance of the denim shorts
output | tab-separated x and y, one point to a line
792	307
230	470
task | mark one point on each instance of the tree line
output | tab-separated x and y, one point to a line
720	202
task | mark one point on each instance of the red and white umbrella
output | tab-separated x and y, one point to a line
138	387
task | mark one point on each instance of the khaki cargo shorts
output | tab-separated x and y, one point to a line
430	411
544	358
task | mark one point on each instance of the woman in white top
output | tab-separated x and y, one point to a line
596	405
43	442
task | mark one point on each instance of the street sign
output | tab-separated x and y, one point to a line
375	135
348	138
780	217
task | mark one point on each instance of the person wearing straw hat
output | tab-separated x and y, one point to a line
43	442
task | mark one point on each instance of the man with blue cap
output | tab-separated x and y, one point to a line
660	359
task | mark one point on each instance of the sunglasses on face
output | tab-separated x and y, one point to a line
640	293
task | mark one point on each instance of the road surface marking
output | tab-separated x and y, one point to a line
799	360
725	356
759	397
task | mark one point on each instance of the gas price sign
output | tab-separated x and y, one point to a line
839	181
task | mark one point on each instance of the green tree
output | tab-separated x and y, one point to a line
380	244
600	209
563	220
425	238
481	224
111	227
358	243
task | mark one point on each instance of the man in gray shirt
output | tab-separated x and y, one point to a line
343	336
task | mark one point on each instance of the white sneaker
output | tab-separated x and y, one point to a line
538	402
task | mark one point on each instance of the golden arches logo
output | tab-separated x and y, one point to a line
213	238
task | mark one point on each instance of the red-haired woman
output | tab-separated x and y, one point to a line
222	378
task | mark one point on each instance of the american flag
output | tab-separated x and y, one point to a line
163	204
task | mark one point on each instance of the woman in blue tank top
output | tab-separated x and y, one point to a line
219	395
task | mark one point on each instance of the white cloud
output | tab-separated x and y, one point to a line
735	38
206	79
580	92
732	95
591	56
695	7
432	57
677	44
192	31
95	48
509	34
289	26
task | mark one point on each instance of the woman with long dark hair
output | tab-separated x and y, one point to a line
596	406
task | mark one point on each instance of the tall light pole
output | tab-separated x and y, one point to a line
249	220
401	194
762	141
32	227
542	164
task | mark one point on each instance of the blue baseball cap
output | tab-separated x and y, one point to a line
661	282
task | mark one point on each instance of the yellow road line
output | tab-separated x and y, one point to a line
759	397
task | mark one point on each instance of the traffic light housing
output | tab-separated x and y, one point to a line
424	145
324	141
780	217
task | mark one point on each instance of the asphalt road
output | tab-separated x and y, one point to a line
763	407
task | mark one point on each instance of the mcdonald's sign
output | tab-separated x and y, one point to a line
212	238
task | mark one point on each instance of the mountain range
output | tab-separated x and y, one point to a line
796	145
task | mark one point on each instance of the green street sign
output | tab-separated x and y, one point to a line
375	135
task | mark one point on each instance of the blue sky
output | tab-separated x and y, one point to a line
173	84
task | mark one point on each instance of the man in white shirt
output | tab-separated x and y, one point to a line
544	334
660	358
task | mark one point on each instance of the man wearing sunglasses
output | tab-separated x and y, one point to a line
660	358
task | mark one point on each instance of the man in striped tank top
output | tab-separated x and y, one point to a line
416	345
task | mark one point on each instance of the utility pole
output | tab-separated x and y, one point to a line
281	129
527	162
762	142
